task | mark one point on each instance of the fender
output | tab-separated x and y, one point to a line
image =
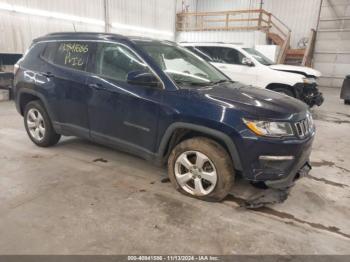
40	96
292	88
212	132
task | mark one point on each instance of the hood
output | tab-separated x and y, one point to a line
259	103
303	70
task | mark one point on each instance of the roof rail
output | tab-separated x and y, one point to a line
214	42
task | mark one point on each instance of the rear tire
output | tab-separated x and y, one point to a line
38	125
347	102
201	168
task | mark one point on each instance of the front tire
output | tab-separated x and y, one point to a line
201	168
38	125
347	102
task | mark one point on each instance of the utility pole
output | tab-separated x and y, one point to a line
106	16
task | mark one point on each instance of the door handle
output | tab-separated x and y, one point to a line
96	86
222	67
48	74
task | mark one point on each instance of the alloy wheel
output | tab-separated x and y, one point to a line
195	173
35	124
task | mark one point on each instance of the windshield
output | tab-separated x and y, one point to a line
259	56
181	65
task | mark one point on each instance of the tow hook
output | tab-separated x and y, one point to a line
304	171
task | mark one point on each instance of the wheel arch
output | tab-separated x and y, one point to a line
25	96
180	131
273	86
24	99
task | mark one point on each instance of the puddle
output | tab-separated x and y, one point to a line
339	121
284	215
177	212
328	164
328	118
292	220
37	156
342	114
328	182
323	163
100	160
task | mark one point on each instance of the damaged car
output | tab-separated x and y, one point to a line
159	101
250	67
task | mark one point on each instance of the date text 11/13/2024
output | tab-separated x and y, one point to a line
173	258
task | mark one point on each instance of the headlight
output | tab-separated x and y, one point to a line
310	119
267	128
309	80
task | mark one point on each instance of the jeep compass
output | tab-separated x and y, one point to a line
159	101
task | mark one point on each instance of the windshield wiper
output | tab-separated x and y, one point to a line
192	83
222	81
203	84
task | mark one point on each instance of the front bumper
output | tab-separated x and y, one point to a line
309	94
289	180
278	190
291	160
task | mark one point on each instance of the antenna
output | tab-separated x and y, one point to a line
74	27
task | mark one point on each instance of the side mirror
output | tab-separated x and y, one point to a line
142	78
246	61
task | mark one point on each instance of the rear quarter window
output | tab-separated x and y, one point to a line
29	59
74	55
49	51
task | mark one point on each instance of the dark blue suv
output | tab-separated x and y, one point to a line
162	102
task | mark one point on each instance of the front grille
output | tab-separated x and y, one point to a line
304	127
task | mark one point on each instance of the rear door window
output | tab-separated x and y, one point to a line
74	55
224	55
116	61
200	53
